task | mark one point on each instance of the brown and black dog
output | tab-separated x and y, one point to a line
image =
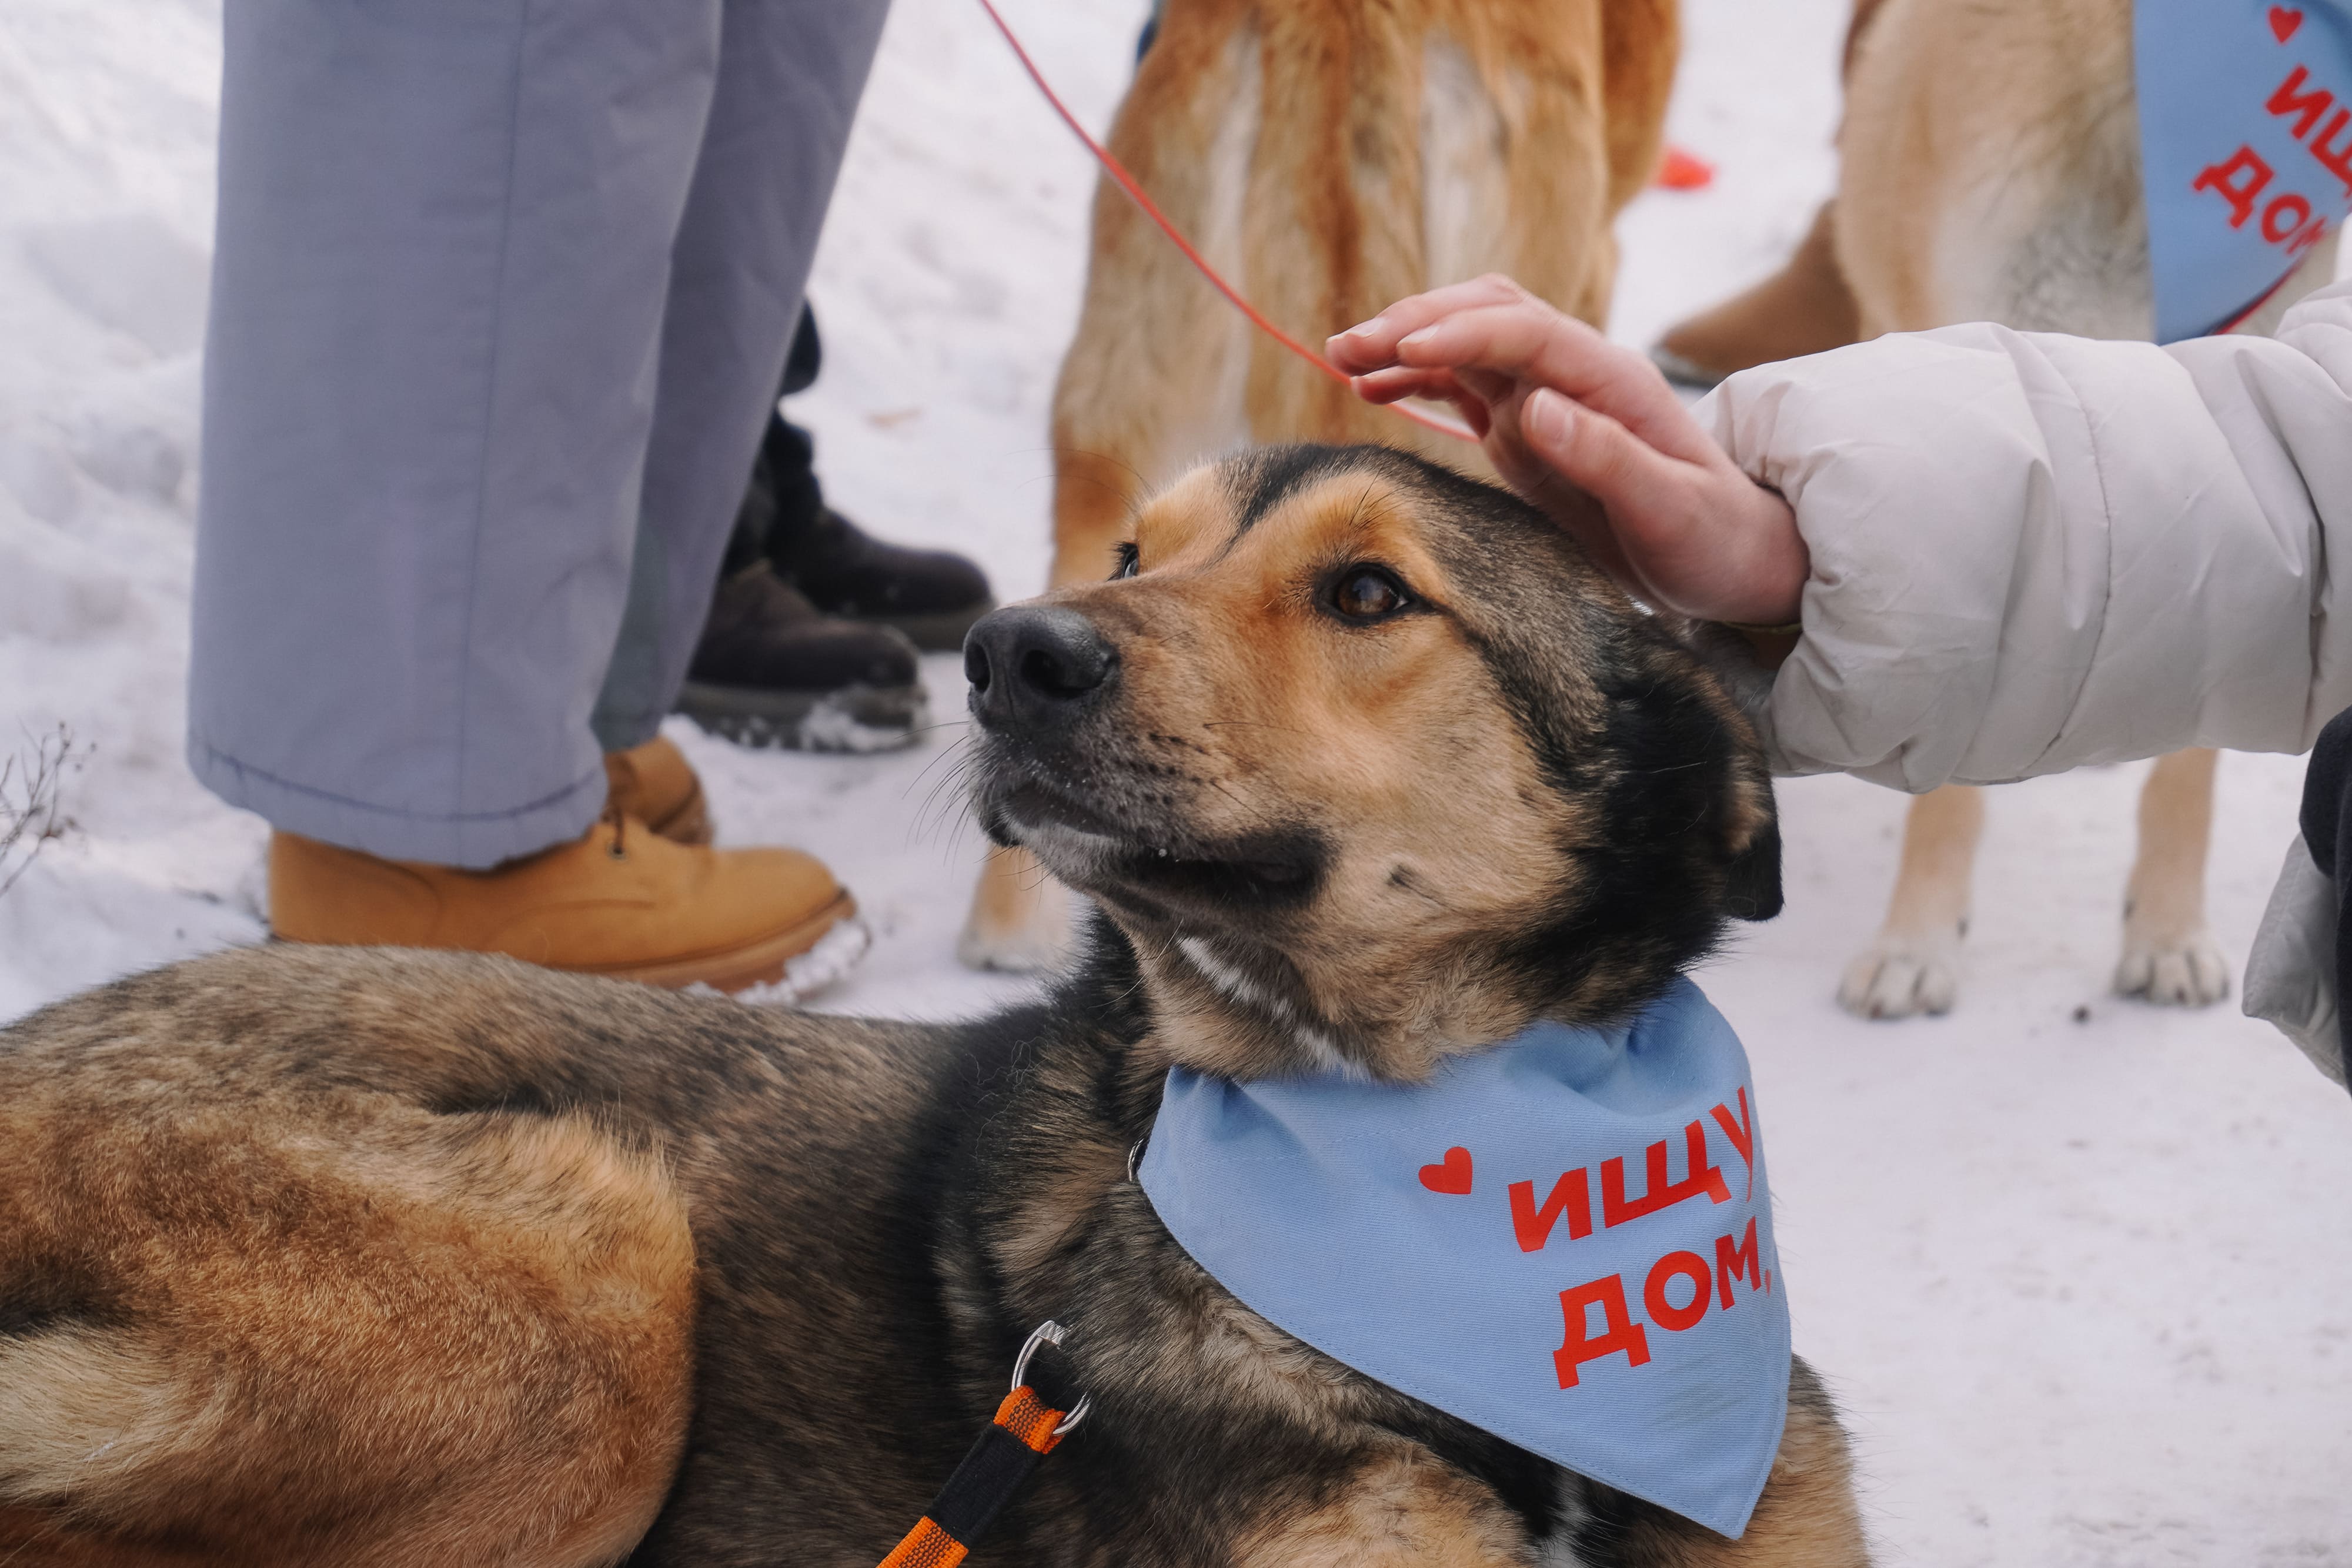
355	1257
1328	157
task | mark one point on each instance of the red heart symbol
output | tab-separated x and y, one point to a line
1452	1176
2284	23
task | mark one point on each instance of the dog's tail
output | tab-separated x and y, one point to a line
92	1414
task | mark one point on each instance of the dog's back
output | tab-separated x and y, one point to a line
235	1196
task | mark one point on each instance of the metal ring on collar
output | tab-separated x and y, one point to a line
1049	1332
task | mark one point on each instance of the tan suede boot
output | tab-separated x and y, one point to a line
1803	309
655	784
620	901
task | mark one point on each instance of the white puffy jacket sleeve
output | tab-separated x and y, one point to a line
2032	552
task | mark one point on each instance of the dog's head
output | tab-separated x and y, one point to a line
1370	765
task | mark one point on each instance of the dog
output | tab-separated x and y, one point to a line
1990	172
339	1256
1328	158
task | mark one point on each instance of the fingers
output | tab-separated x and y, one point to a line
1373	345
1650	514
1703	540
1492	327
1530	341
1593	434
1599	454
1627	487
1396	384
1403	381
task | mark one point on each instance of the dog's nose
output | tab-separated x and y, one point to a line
1035	665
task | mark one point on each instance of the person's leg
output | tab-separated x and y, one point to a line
448	237
445	230
633	683
789	73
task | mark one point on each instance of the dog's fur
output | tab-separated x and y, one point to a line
1329	157
1992	172
339	1257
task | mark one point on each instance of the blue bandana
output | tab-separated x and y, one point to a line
2245	134
1565	1240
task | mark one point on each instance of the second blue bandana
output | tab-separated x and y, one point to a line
2245	129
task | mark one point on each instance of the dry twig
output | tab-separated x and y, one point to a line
31	802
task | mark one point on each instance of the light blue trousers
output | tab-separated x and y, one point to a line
501	293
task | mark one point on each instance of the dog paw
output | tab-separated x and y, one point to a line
1897	975
2179	972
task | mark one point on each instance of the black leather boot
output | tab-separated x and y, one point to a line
773	669
807	645
933	596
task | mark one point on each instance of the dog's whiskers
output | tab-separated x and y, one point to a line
961	746
933	815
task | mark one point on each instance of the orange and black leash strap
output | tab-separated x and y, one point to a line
1024	1431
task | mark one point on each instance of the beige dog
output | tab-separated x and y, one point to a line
1327	158
1992	172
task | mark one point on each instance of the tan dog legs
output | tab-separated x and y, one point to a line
1913	965
2169	957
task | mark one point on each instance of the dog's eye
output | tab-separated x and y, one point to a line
1128	555
1365	593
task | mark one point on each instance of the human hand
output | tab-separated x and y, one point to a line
1570	420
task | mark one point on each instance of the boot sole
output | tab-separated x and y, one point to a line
757	963
851	718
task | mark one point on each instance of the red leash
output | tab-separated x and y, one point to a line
1126	182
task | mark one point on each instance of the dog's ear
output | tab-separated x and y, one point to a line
1753	878
1729	657
1751	887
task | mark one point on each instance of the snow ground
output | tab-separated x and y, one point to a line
2084	1287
